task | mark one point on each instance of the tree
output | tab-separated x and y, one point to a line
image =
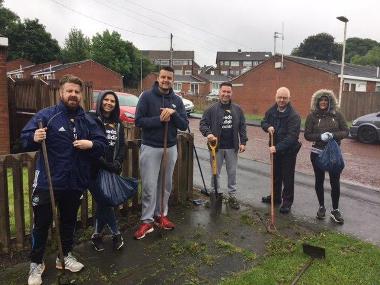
359	47
77	47
320	46
7	19
121	56
371	58
31	41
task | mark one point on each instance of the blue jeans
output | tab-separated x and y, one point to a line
105	215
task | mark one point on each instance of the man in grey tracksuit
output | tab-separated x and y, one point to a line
156	108
224	122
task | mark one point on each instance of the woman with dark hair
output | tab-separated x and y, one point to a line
108	112
325	122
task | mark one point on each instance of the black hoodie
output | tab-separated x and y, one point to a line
148	117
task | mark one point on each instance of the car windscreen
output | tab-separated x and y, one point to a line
130	101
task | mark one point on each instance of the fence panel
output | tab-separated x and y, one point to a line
356	104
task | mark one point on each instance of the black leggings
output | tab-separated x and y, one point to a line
320	178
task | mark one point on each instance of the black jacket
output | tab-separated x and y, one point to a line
212	119
148	117
287	127
320	121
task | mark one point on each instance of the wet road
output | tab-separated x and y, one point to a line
362	160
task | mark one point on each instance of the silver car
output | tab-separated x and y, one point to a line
366	128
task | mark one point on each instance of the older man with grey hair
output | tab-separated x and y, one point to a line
283	122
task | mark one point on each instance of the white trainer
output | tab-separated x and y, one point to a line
71	263
35	273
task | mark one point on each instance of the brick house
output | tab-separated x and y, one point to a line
235	63
88	70
213	82
183	61
255	90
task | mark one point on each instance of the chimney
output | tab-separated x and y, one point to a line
239	50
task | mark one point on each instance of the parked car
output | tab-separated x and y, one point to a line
212	97
366	128
127	102
189	106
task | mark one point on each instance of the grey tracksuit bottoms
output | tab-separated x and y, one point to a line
150	169
231	158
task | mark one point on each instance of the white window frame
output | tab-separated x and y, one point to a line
187	72
235	63
177	86
194	88
247	63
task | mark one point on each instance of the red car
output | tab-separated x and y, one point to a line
127	102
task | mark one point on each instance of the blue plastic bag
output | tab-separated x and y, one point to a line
111	189
331	159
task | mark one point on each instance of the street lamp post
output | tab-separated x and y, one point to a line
344	20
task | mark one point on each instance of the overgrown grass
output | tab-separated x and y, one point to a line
348	261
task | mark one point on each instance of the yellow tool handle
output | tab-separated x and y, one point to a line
212	147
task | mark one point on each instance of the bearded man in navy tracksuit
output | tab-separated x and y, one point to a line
158	107
73	141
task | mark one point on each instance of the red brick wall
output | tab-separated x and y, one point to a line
100	76
371	86
148	81
4	113
260	84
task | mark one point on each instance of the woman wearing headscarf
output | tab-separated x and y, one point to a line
108	112
325	122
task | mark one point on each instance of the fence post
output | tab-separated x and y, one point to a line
4	208
18	198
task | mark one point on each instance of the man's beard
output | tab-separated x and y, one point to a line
69	105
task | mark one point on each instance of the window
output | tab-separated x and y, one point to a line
224	72
164	62
255	62
377	87
247	63
187	72
178	71
235	63
215	86
226	63
346	87
177	86
194	88
177	62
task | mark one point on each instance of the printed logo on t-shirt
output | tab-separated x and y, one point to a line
227	120
111	133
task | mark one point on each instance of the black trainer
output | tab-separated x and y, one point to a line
336	216
97	242
117	241
285	209
267	200
321	214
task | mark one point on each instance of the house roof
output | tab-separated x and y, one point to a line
215	77
243	55
165	54
334	67
59	67
187	78
206	68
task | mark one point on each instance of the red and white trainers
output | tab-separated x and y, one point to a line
143	230
164	222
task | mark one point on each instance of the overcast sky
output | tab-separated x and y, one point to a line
205	26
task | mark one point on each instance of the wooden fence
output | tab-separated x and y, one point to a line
15	168
28	96
356	104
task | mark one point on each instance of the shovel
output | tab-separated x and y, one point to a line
216	198
163	176
312	251
61	279
271	225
